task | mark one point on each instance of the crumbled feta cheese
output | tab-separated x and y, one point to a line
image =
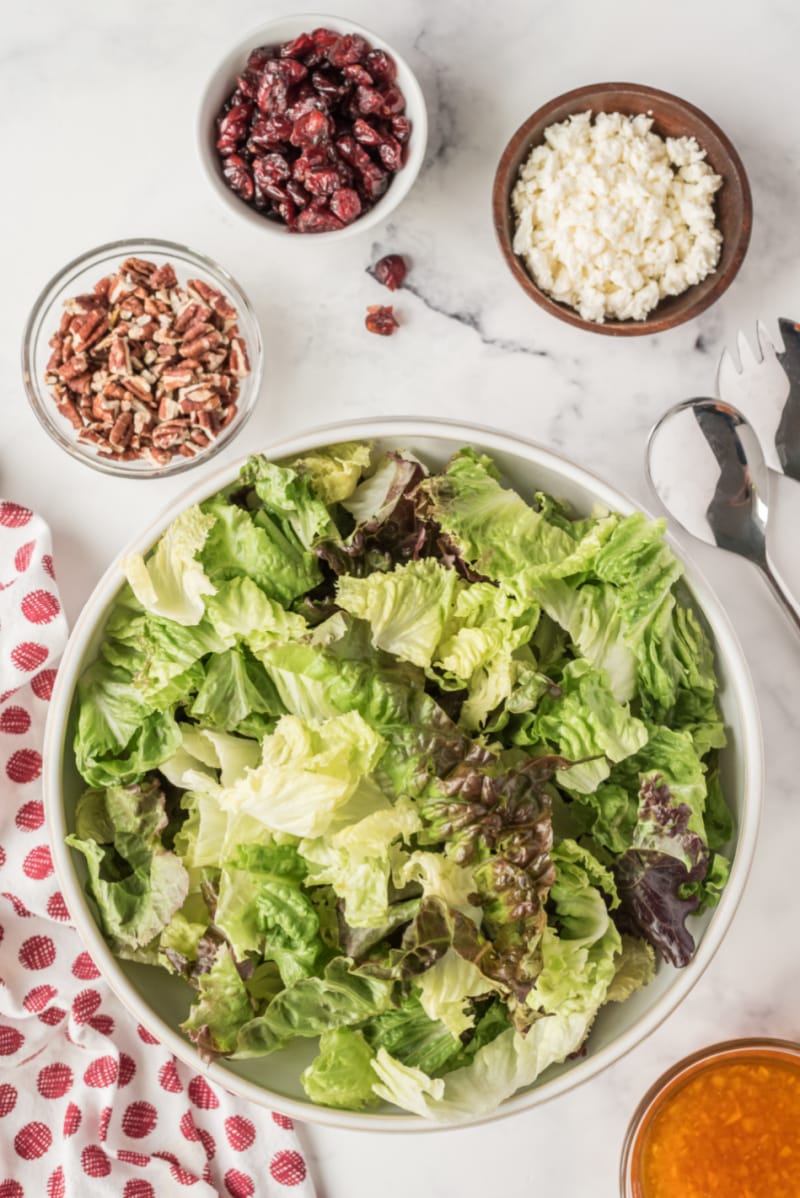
611	217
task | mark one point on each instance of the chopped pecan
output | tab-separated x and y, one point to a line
121	433
144	368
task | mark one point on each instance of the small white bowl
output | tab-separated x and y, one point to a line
222	82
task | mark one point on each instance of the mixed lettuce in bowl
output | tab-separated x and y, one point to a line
404	763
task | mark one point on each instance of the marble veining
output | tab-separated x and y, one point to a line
98	143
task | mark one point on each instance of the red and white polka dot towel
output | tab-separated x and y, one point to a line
90	1103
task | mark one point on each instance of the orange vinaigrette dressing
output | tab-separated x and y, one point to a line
731	1130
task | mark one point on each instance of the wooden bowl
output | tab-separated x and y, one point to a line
672	117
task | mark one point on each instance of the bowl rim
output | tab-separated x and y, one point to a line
45	301
671	1080
403	180
653	323
727	647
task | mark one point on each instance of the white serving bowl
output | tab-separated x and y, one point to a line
221	84
159	1002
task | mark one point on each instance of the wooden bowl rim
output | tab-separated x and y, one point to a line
734	171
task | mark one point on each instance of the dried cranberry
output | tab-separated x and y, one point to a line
350	48
381	320
311	128
381	66
394	102
271	168
287	212
304	104
238	176
294	71
311	220
324	38
366	133
391	154
401	127
233	126
313	158
273	94
353	153
346	204
374	181
322	183
297	193
357	74
299	46
257	59
326	85
391	271
247	83
368	100
274	192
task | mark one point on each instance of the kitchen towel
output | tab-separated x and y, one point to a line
90	1102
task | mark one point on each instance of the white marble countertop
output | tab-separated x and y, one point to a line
98	143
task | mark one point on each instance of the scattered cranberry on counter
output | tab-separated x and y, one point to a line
314	130
391	271
381	320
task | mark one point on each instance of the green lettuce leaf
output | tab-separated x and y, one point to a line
334	471
357	860
341	1075
311	1006
242	543
307	773
503	537
119	736
413	1038
172	582
221	1009
263	908
135	882
407	609
584	720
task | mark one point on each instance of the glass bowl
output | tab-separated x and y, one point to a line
80	276
733	1116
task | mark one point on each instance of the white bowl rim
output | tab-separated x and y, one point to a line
402	182
726	644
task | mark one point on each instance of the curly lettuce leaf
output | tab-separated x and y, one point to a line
413	1037
252	543
222	1008
407	609
357	861
579	718
655	875
262	907
341	1075
311	1006
136	883
307	773
334	471
172	582
120	736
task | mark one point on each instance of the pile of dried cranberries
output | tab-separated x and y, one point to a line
314	130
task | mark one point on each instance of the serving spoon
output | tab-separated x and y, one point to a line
707	467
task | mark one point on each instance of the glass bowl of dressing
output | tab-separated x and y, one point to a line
722	1122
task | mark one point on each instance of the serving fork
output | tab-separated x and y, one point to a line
764	384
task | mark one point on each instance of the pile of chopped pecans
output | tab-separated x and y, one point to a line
146	369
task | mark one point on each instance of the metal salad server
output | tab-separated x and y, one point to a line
707	467
764	384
